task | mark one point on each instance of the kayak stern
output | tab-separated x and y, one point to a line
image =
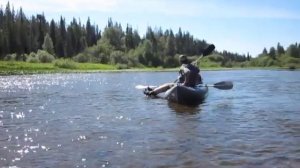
187	95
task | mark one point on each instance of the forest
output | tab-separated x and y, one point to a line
36	40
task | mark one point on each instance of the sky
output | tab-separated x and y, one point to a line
242	26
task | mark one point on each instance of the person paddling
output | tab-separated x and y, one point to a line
189	75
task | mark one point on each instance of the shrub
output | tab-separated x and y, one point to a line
118	57
10	57
170	62
244	64
122	66
292	66
82	58
228	64
44	56
269	62
292	60
133	62
32	58
65	63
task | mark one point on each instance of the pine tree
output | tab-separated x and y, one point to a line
2	52
22	33
89	33
265	52
53	32
280	50
179	42
60	47
129	43
248	57
114	36
292	51
272	53
8	29
151	37
33	35
170	46
199	46
42	29
136	38
48	44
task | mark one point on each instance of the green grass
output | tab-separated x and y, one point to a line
93	66
16	67
66	66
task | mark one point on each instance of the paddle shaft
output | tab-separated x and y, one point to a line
224	85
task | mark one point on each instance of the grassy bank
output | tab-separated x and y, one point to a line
65	66
62	66
14	67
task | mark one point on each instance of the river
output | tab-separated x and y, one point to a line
101	120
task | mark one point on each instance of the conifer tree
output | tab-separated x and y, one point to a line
272	53
280	50
48	44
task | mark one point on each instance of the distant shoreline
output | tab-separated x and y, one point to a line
23	68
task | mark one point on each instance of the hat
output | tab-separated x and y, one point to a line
183	58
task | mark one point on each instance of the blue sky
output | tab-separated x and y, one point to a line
234	25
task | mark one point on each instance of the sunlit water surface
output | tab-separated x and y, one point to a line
101	120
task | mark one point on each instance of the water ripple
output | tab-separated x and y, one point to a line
100	120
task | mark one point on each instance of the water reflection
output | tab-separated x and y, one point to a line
100	120
183	109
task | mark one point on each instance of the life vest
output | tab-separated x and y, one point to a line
189	75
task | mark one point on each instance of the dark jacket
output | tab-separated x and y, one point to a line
189	75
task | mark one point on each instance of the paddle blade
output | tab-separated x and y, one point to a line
144	86
224	85
208	50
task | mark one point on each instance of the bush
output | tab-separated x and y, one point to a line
44	56
292	60
122	66
32	58
65	63
10	57
262	61
228	64
118	57
133	62
82	58
244	64
269	62
216	58
292	66
170	62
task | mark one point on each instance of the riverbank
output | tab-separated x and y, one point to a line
19	68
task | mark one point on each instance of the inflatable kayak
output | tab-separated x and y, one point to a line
187	95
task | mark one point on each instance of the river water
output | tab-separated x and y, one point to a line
101	120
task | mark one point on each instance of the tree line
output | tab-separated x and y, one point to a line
23	36
293	50
279	56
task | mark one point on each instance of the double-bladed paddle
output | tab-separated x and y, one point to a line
208	50
224	85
